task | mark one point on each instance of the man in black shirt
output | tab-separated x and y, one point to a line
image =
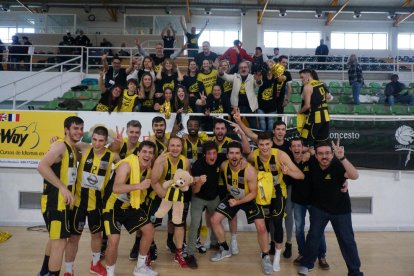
168	36
329	203
206	173
114	74
205	54
192	38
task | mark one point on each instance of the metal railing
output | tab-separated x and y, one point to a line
49	89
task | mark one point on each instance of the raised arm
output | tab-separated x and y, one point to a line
249	133
183	24
164	31
205	26
101	81
178	52
288	167
104	61
350	171
141	50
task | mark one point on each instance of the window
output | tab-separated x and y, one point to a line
405	41
291	39
361	41
218	38
6	33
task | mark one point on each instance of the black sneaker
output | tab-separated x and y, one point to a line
171	246
272	249
323	264
288	251
297	260
153	252
103	247
201	249
133	254
191	262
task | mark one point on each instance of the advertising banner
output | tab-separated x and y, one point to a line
25	136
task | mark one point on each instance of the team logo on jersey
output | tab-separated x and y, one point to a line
92	179
405	137
306	169
328	177
261	168
273	167
81	225
221	206
103	165
89	161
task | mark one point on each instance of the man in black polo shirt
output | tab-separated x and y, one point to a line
206	173
192	37
329	203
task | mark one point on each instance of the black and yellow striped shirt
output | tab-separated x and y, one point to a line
65	170
318	112
124	151
236	182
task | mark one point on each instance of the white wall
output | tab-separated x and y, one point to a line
392	199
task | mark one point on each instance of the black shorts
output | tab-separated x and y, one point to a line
132	219
317	132
78	220
151	206
251	209
57	223
276	208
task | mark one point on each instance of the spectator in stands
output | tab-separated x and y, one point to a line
168	36
82	40
259	61
165	102
71	40
192	38
114	74
207	75
275	54
128	101
65	49
2	49
205	54
226	86
110	95
147	66
243	94
159	56
216	102
107	44
146	93
25	50
194	87
123	52
266	100
321	52
15	51
168	75
181	105
235	55
283	84
356	80
393	92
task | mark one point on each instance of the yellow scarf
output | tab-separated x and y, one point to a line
134	178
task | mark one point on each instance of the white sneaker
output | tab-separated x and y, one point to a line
276	264
221	255
267	266
144	271
234	248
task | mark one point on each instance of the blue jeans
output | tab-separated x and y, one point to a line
269	120
405	99
299	212
356	90
342	225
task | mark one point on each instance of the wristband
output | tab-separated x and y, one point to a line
342	159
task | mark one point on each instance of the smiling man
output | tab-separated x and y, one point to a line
58	168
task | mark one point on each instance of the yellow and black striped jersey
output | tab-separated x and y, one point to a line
128	102
236	182
318	112
124	151
193	151
65	170
222	147
93	175
160	147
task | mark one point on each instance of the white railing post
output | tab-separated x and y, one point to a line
14	95
61	79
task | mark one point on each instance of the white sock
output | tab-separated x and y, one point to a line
233	236
69	267
276	260
110	270
96	257
141	260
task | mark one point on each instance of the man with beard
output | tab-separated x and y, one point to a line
163	170
243	94
115	74
301	200
193	142
331	204
241	182
205	54
124	208
279	164
125	146
206	173
94	172
160	138
58	168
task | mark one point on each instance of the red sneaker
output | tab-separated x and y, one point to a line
179	258
98	269
68	274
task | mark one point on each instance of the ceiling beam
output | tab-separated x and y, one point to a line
402	19
329	22
260	14
188	11
24	5
399	18
334	3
